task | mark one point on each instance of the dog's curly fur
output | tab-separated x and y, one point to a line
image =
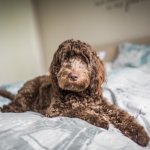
74	89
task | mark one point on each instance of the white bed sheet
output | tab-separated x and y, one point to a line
129	88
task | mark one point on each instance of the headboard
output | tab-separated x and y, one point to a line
112	48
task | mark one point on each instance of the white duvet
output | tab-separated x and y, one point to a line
128	88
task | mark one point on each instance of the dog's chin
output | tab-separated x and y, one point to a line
73	87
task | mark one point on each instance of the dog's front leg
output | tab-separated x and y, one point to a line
89	116
127	125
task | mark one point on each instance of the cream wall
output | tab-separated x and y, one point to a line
31	30
20	49
81	19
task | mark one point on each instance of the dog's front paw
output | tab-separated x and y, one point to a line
52	114
142	138
138	135
47	115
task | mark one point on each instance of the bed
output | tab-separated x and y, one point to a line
128	86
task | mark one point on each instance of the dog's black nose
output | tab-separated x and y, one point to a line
72	76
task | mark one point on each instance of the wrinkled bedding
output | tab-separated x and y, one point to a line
129	88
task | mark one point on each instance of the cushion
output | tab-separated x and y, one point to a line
132	55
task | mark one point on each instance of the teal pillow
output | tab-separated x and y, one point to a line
132	55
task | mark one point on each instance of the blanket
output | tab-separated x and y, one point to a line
129	88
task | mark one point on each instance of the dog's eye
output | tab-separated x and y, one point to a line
71	54
64	55
68	66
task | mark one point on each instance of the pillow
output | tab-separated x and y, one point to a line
132	55
101	54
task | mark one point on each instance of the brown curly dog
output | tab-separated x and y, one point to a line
73	89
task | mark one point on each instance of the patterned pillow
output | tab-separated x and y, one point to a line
132	55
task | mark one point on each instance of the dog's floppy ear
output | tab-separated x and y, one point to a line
54	68
97	74
101	75
58	57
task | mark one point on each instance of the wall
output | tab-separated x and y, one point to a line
20	51
31	30
82	19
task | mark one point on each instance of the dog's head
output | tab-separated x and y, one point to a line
76	67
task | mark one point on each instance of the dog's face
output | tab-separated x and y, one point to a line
74	74
76	67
